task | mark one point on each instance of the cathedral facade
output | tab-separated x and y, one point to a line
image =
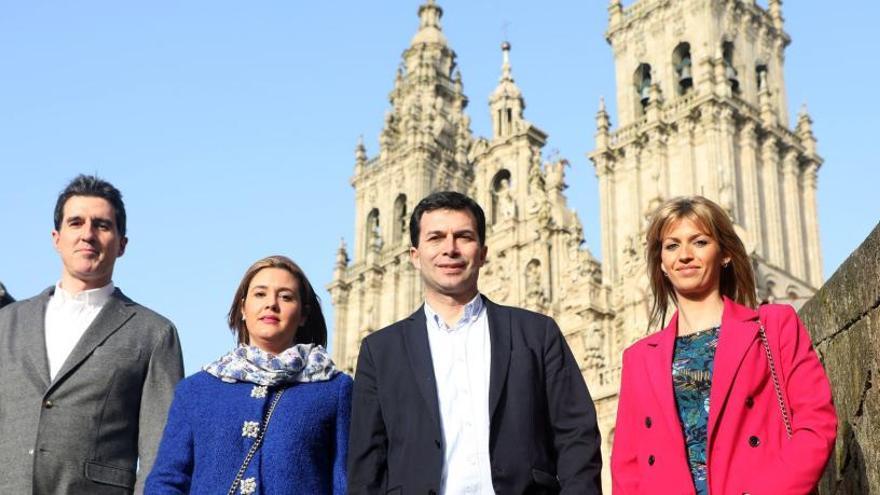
701	110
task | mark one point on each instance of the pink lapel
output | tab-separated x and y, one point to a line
659	367
739	330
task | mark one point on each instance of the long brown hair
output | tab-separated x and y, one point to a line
737	279
314	331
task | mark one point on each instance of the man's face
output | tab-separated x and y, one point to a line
88	241
449	254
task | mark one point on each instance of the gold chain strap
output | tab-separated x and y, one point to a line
775	380
257	443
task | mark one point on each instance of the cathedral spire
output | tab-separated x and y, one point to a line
775	8
429	25
506	102
341	260
804	131
360	155
615	13
603	124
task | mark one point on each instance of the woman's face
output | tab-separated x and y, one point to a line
272	309
691	259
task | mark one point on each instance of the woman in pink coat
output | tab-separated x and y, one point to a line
703	407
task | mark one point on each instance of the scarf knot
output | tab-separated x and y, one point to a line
301	363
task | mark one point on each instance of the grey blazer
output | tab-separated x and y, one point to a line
85	431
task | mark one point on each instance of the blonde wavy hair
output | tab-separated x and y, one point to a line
737	278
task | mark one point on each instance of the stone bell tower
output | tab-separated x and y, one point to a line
422	148
702	110
537	257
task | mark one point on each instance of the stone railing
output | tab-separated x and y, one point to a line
844	321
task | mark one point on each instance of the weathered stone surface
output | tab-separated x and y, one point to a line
844	320
849	293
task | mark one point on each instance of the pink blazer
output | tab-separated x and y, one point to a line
748	450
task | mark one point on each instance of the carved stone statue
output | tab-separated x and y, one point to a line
594	357
506	203
535	297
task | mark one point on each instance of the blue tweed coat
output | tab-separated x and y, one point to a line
212	425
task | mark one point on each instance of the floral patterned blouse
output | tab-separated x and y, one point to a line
692	366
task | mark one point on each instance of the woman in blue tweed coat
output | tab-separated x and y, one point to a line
217	438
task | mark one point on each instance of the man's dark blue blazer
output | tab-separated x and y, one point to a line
543	433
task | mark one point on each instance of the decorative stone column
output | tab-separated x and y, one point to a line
811	217
774	246
751	201
792	218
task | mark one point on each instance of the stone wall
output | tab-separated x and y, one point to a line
844	320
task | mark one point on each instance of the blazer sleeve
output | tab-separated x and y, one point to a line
368	439
172	472
801	461
624	459
572	417
164	371
343	418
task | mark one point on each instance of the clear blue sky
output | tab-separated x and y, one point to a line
230	126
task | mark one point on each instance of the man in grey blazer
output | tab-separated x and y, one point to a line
86	374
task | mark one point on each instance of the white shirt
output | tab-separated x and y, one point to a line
462	357
67	318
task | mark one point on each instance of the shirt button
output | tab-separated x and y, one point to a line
651	460
648	422
750	402
31	452
754	441
48	404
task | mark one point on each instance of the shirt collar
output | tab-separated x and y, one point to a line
91	297
471	312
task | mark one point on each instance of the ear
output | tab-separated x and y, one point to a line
56	238
414	258
122	243
484	251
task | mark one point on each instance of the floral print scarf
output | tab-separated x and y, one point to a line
300	363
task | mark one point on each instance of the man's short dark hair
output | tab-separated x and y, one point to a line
92	186
446	200
5	297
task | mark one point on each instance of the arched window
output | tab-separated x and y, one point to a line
502	196
760	76
642	82
399	219
729	69
683	64
374	236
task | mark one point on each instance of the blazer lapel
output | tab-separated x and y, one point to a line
738	332
659	367
418	350
118	310
499	338
32	330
